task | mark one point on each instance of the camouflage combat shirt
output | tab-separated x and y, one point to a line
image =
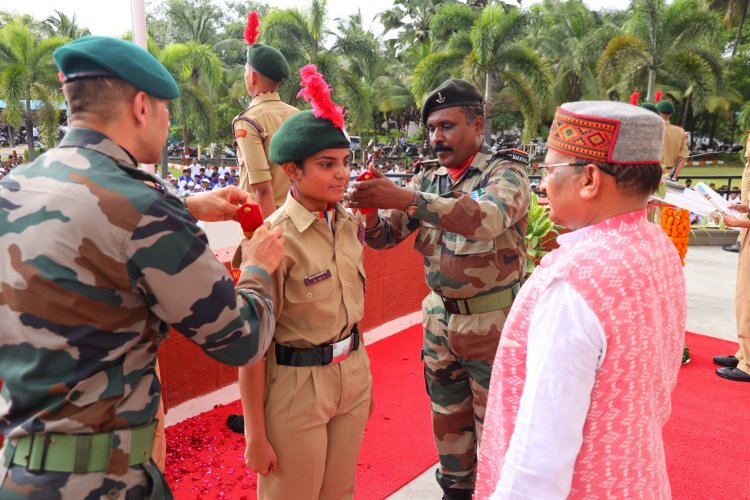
95	266
472	232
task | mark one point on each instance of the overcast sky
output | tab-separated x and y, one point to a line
113	17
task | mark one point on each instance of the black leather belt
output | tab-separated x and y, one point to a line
318	356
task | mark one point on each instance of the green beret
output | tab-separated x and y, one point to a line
268	62
302	135
450	94
102	56
665	107
649	106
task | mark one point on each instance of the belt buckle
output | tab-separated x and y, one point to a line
451	305
341	349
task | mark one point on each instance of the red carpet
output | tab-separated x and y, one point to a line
204	458
708	428
704	436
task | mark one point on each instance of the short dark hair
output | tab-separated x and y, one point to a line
472	112
640	180
97	95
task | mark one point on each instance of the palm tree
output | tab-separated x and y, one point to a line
64	26
198	71
299	35
571	37
412	20
677	43
735	13
27	72
491	56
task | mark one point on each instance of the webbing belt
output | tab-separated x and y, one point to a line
483	303
80	453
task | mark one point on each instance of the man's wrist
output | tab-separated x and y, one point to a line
413	204
252	268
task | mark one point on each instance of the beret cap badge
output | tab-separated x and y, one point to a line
440	99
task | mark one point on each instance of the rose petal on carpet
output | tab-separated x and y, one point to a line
205	459
702	438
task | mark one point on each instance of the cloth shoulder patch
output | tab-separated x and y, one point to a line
240	133
514	155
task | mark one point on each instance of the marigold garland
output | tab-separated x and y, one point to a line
676	223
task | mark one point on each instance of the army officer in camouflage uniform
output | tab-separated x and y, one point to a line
97	265
470	214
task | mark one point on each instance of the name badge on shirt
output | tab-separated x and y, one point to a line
315	278
475	195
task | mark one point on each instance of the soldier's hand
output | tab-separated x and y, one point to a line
379	192
219	205
265	249
260	457
731	221
740	207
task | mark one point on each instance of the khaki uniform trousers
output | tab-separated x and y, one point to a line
315	421
744	193
742	304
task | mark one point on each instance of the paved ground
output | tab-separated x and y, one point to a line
710	274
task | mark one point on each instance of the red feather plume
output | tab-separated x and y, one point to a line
634	98
657	97
60	76
251	30
315	89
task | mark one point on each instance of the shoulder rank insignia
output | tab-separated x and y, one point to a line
514	155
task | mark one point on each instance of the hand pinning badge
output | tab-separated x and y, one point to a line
250	218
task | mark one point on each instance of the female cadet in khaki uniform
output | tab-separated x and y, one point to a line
317	390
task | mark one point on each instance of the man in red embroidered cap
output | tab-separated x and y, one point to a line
588	357
266	68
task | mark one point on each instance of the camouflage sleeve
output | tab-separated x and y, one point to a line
171	264
501	203
393	226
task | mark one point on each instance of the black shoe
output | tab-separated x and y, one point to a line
236	423
685	355
454	494
728	361
734	247
733	374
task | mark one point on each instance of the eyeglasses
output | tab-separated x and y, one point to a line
544	168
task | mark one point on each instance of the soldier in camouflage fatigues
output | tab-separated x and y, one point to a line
97	265
471	231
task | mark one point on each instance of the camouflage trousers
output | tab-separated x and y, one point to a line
458	353
137	482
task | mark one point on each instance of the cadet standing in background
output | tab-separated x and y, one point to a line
471	215
99	265
266	68
674	143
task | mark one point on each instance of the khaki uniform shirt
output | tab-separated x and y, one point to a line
674	145
318	289
268	111
472	233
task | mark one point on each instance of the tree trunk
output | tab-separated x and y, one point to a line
712	133
164	163
11	136
739	31
487	107
651	95
29	124
685	111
